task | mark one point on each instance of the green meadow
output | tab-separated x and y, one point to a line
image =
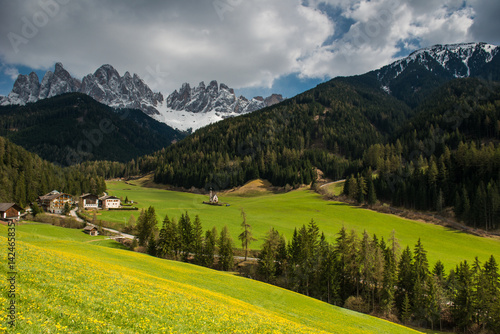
67	283
287	211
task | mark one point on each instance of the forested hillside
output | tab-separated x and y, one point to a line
446	156
443	153
72	128
328	127
24	176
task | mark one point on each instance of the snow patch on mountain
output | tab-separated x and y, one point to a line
460	60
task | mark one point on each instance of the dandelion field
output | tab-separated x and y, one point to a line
69	285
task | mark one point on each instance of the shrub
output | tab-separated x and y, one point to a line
356	304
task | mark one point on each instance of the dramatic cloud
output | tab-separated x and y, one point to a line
246	44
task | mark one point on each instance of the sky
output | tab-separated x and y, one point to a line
257	47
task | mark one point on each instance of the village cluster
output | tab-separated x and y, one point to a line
55	202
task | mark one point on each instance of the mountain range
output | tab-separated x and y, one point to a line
186	109
350	113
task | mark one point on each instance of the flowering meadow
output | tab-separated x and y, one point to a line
69	285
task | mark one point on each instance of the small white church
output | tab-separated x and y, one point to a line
213	197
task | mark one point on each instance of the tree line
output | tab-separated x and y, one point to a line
372	275
359	272
185	240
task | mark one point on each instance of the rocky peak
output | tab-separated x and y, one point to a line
273	99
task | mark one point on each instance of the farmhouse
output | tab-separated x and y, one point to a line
109	202
89	201
10	211
92	230
54	201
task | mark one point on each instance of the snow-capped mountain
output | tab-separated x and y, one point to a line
188	108
108	87
192	108
439	63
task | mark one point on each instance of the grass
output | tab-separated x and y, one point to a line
335	188
287	211
68	285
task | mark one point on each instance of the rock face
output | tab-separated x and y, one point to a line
106	86
216	98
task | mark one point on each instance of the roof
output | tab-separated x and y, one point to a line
89	228
88	195
103	198
6	206
50	196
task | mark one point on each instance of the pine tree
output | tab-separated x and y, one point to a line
406	309
462	310
246	236
210	247
405	281
197	241
226	260
371	196
146	225
186	236
487	289
152	246
268	255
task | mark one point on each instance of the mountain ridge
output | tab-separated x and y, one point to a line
106	86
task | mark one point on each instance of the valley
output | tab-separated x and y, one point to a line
288	211
418	135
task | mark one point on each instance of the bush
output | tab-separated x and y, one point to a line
356	304
123	209
59	221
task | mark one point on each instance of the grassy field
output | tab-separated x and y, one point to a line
66	284
334	188
290	210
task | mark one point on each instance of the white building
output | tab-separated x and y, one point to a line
109	202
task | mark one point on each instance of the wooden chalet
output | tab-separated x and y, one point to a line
10	211
91	230
88	202
109	202
54	201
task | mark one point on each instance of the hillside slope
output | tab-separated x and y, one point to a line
72	128
70	285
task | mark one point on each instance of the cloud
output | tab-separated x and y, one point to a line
254	43
11	72
486	25
241	43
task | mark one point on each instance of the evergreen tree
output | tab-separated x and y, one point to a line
405	281
35	209
462	309
226	260
268	255
405	309
186	236
152	246
210	247
487	288
146	225
66	209
371	194
197	241
246	237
